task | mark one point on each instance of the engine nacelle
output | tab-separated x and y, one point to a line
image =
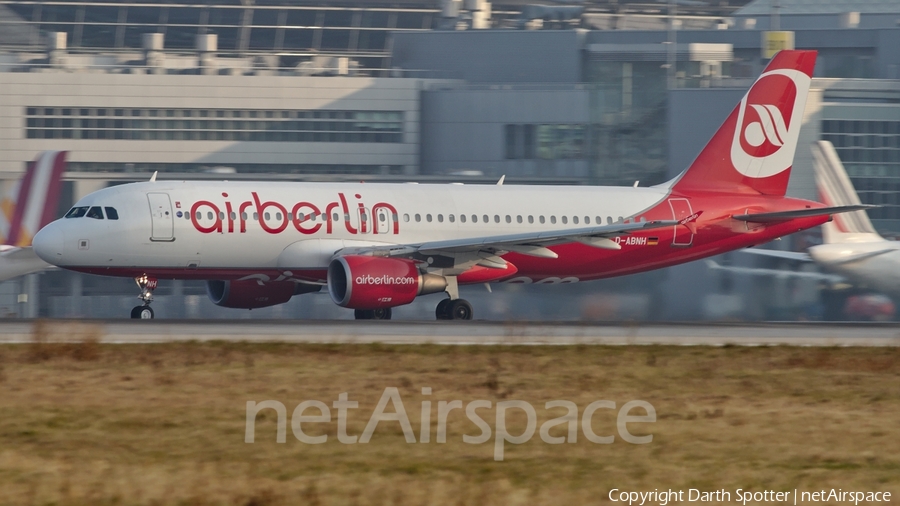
365	282
252	294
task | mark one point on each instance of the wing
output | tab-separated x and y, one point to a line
788	255
16	262
485	250
777	273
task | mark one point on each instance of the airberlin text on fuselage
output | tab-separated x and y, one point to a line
306	217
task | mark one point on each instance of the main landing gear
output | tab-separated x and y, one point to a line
449	309
373	314
147	284
453	308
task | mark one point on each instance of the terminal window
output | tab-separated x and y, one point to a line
870	151
547	142
214	125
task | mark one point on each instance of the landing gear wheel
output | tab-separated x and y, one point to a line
147	284
442	312
142	313
460	309
373	314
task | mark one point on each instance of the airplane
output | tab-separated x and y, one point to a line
851	250
34	206
378	246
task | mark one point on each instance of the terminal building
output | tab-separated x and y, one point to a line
595	92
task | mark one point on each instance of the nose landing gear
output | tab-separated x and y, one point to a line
147	284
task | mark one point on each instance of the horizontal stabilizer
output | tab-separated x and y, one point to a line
799	213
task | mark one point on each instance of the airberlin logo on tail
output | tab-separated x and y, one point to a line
768	123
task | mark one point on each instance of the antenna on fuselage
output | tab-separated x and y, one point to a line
153	177
636	183
502	178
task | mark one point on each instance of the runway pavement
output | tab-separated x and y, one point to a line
453	333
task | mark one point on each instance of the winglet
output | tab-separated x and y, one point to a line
153	177
502	178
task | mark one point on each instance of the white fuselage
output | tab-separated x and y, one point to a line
875	264
237	225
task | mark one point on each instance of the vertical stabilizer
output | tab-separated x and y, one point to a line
753	151
836	189
38	197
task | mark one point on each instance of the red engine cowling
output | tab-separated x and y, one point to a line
364	282
251	294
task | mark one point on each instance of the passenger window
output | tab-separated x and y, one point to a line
553	220
381	218
474	218
575	220
209	215
95	212
587	220
440	218
405	217
111	213
278	216
565	219
76	212
541	219
418	217
620	219
244	216
266	216
428	218
255	216
598	220
221	215
609	220
198	215
508	218
496	218
232	215
452	218
530	219
519	219
462	218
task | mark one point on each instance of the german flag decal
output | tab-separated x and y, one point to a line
652	241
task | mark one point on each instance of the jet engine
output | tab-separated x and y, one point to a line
365	282
252	294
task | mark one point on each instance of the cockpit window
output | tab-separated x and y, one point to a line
95	212
76	212
111	213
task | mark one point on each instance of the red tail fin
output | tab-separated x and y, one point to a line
752	152
38	197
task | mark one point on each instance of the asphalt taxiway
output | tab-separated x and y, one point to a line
452	333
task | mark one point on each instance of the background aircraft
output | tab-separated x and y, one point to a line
852	251
33	205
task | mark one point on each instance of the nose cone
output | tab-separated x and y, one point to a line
48	243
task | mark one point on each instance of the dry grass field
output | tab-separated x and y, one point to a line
95	424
